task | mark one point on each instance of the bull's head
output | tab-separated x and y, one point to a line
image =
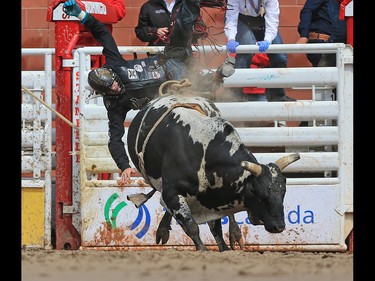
265	192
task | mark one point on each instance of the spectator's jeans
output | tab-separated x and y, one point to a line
246	36
314	59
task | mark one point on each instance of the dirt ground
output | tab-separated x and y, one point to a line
185	265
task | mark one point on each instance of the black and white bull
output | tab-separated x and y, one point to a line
196	159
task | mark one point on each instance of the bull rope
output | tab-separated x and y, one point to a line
175	86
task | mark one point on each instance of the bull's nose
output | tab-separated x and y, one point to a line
280	229
276	229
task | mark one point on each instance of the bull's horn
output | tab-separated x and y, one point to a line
253	168
284	161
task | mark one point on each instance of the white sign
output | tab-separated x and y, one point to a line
109	219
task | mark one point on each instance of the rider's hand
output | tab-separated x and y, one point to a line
125	175
72	9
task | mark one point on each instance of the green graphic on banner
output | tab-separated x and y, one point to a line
111	220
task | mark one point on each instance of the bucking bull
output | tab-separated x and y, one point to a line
195	158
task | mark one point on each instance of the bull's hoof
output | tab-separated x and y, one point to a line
202	248
235	235
162	234
223	248
233	240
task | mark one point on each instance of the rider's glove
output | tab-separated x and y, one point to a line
72	9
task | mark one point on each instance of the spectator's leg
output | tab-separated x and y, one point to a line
327	60
277	60
245	36
314	59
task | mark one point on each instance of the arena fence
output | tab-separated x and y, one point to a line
319	199
37	137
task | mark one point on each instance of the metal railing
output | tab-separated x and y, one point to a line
37	133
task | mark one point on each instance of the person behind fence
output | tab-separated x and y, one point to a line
131	84
120	8
319	23
154	20
250	22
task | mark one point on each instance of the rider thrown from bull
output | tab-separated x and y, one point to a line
131	84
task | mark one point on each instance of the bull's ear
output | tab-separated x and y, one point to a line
253	168
285	161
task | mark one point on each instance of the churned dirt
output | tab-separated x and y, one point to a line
184	265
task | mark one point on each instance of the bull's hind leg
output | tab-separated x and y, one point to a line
181	212
217	232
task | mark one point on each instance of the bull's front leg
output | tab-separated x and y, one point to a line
217	231
162	233
235	234
182	214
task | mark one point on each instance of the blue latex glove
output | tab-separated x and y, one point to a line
263	45
231	45
72	8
